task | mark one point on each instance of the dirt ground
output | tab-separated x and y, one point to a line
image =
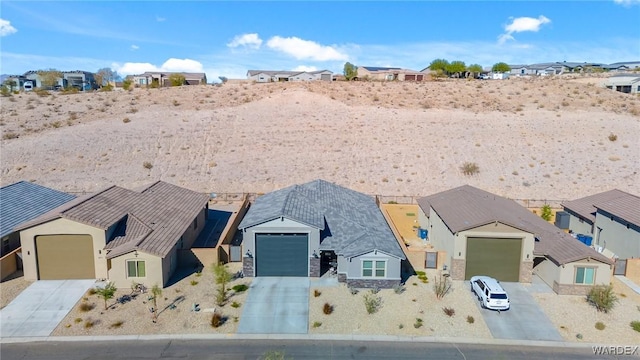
530	138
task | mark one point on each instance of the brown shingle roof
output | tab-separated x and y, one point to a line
151	220
586	209
466	207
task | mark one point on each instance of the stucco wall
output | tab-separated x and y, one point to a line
9	263
548	272
61	227
602	274
578	226
354	266
153	267
190	235
441	238
615	236
13	241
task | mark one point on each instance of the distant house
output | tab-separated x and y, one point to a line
485	234
117	234
541	69
389	74
162	79
625	83
263	76
499	76
623	66
79	79
305	230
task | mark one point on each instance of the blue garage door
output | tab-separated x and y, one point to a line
282	255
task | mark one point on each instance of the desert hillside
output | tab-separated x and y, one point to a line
553	138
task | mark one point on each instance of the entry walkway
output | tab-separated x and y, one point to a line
38	310
276	305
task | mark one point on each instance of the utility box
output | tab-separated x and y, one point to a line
562	220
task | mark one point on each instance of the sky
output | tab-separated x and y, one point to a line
228	38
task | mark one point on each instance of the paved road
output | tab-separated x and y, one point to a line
40	307
524	321
276	305
293	349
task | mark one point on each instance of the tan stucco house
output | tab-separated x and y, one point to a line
117	234
485	234
388	74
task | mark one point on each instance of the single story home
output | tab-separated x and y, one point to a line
625	83
163	78
612	218
486	234
389	74
306	230
117	234
263	76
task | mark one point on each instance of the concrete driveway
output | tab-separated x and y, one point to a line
40	307
525	320
276	305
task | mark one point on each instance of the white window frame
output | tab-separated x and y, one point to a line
137	275
374	268
584	275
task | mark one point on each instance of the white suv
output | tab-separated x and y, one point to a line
489	292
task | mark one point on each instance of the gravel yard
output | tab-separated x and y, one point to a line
9	289
572	315
134	317
399	312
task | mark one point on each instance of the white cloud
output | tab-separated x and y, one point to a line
522	24
171	65
305	49
304	68
135	47
6	28
160	19
252	41
627	2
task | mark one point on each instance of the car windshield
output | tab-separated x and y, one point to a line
498	296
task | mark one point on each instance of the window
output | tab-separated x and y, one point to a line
136	268
371	268
584	275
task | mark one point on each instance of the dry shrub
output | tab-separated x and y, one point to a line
449	311
216	320
84	307
470	168
316	293
327	309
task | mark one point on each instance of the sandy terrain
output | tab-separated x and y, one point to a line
531	138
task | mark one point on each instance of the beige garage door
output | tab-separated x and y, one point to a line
65	257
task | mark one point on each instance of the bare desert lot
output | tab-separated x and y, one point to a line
551	138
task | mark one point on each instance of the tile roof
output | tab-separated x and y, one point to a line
586	206
24	201
466	207
355	223
151	220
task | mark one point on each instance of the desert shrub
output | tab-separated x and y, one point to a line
469	168
375	290
392	202
602	297
84	307
316	293
77	320
442	287
41	92
635	325
317	324
116	324
126	84
9	135
194	283
546	212
422	276
600	325
147	165
418	323
88	324
398	289
613	137
5	91
240	288
353	290
372	303
176	103
470	319
400	326
126	120
91	291
235	304
216	320
449	311
327	309
273	355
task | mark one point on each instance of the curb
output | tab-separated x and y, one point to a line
345	337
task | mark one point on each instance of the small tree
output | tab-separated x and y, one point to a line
126	84
350	71
442	287
456	67
222	277
177	79
156	291
475	69
439	64
546	212
107	292
49	78
501	68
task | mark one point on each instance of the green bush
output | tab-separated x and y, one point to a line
635	325
240	288
470	319
372	303
602	297
418	323
600	325
546	212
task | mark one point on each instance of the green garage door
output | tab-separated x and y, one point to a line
63	257
282	255
498	258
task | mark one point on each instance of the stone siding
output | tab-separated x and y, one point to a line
367	283
247	267
526	271
342	278
458	267
565	289
314	267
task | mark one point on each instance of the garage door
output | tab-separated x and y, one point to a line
325	77
282	255
409	77
498	258
65	257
